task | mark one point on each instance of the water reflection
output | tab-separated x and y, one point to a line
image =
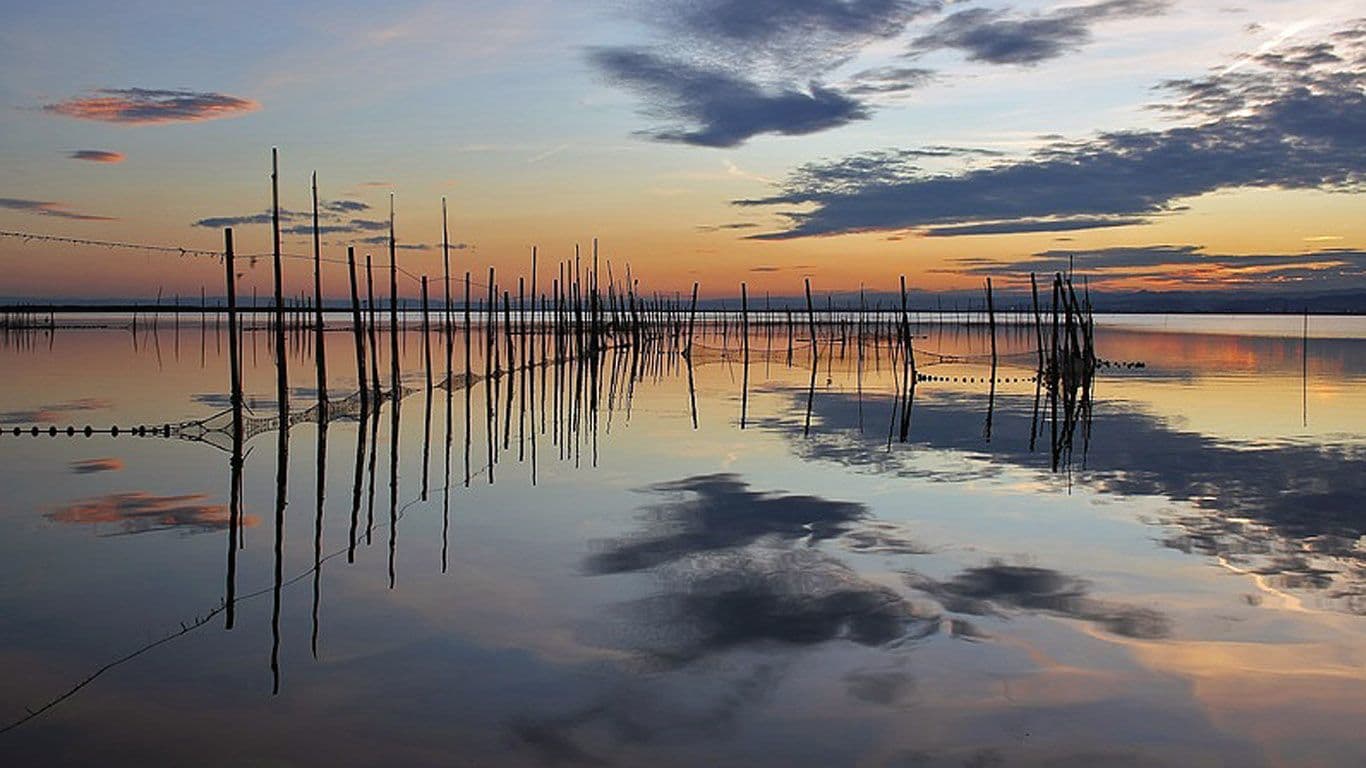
722	609
994	589
1267	506
53	413
142	512
711	513
718	601
91	466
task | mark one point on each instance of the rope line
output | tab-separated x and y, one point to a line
183	251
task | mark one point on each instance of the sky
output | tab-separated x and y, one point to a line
1154	144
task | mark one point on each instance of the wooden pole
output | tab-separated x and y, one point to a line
427	362
281	374
358	331
234	361
1038	319
692	319
909	348
469	372
446	267
320	354
488	331
426	334
811	318
991	322
744	325
393	307
374	331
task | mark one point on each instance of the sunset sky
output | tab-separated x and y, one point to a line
1164	144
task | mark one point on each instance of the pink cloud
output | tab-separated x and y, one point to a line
146	106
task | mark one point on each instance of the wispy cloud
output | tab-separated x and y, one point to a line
713	108
345	206
887	81
402	246
1297	125
997	37
49	208
801	37
1189	266
147	106
1019	226
731	70
97	156
334	217
47	414
726	227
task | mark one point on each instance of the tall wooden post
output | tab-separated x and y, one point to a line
358	330
393	307
320	354
281	373
234	359
811	318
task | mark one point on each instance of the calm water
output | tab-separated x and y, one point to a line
623	587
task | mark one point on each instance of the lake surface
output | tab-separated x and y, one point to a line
657	565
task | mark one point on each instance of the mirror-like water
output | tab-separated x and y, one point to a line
650	563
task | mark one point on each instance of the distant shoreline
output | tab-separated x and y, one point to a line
435	309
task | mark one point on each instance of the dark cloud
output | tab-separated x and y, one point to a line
1186	265
97	156
334	213
345	206
371	225
801	36
1258	126
323	229
145	106
990	590
218	222
714	108
889	80
725	227
402	246
49	208
1300	57
996	37
735	69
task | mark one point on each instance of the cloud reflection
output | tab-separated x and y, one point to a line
1289	511
713	513
142	512
55	412
91	466
993	589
